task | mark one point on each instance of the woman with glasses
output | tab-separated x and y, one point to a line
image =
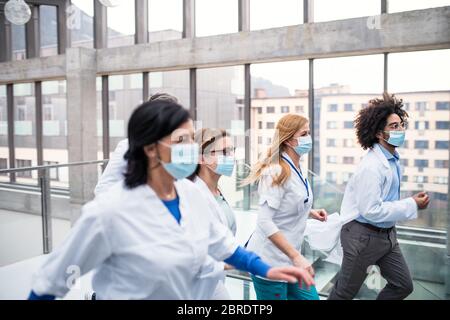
372	205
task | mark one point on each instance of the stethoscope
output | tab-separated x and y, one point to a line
305	181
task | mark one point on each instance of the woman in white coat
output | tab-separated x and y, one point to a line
285	203
149	236
217	159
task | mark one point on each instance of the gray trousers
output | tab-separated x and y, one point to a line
363	248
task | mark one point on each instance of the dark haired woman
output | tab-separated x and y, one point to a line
372	205
149	236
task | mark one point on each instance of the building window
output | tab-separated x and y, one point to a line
421	163
421	144
441	180
259	110
441	145
422	125
54	172
364	105
443	105
270	125
406	106
348	160
348	143
331	176
48	113
299	109
442	125
269	140
421	106
348	124
260	125
348	107
21	164
284	109
270	110
260	140
3	165
405	179
331	159
441	164
421	179
332	108
404	162
346	176
331	125
331	142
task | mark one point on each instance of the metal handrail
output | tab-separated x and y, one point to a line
52	166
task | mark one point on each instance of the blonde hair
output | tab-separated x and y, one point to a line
286	128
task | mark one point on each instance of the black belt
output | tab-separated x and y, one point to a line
374	228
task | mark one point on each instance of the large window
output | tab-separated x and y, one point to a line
220	104
216	17
266	14
4	151
402	5
48	20
342	86
165	20
425	86
18	42
326	10
175	83
81	23
121	24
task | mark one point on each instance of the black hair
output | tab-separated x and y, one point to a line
373	118
149	123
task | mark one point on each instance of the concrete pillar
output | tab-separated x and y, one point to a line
81	125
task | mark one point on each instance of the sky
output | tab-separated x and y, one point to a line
407	71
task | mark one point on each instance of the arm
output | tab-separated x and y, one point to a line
368	188
115	169
85	248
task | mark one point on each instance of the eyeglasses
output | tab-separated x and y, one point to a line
226	152
398	126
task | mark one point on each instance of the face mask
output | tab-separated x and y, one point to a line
304	145
184	160
396	138
225	165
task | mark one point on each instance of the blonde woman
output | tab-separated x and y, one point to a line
285	202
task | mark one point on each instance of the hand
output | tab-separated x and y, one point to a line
291	274
422	199
303	263
227	267
319	214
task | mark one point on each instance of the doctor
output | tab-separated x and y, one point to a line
372	205
285	202
216	159
149	236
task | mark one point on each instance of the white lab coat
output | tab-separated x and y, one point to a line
115	169
137	249
287	213
364	195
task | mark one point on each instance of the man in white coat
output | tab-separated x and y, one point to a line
372	205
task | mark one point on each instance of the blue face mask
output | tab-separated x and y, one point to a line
225	165
304	145
396	138
184	160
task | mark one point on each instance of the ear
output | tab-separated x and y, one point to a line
150	151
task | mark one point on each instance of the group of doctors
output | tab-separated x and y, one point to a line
160	227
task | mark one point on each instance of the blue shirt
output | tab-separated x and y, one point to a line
174	208
394	191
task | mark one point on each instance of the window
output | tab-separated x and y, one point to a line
270	110
442	125
269	140
81	23
440	180
270	13
404	162
327	10
404	178
284	109
346	176
331	125
421	144
348	160
165	20
331	159
348	143
332	108
54	172
421	106
348	107
401	5
3	165
443	105
421	163
18	42
299	109
348	124
270	125
422	125
48	30
441	164
421	179
331	142
260	140
331	177
406	106
215	17
174	82
121	24
259	110
21	164
260	125
442	145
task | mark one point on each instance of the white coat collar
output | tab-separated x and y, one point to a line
380	155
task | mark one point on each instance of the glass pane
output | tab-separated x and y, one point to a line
99	119
125	94
326	10
4	151
402	5
121	24
81	23
342	86
18	42
215	17
220	93
277	89
48	30
425	89
266	14
25	131
175	83
165	20
54	117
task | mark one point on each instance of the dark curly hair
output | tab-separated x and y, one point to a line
373	118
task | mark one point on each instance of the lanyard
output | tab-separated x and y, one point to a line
305	181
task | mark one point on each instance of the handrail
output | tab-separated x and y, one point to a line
52	166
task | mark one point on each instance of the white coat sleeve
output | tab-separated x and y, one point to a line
115	169
269	193
222	243
84	249
368	188
264	220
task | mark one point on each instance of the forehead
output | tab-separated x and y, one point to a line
393	118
